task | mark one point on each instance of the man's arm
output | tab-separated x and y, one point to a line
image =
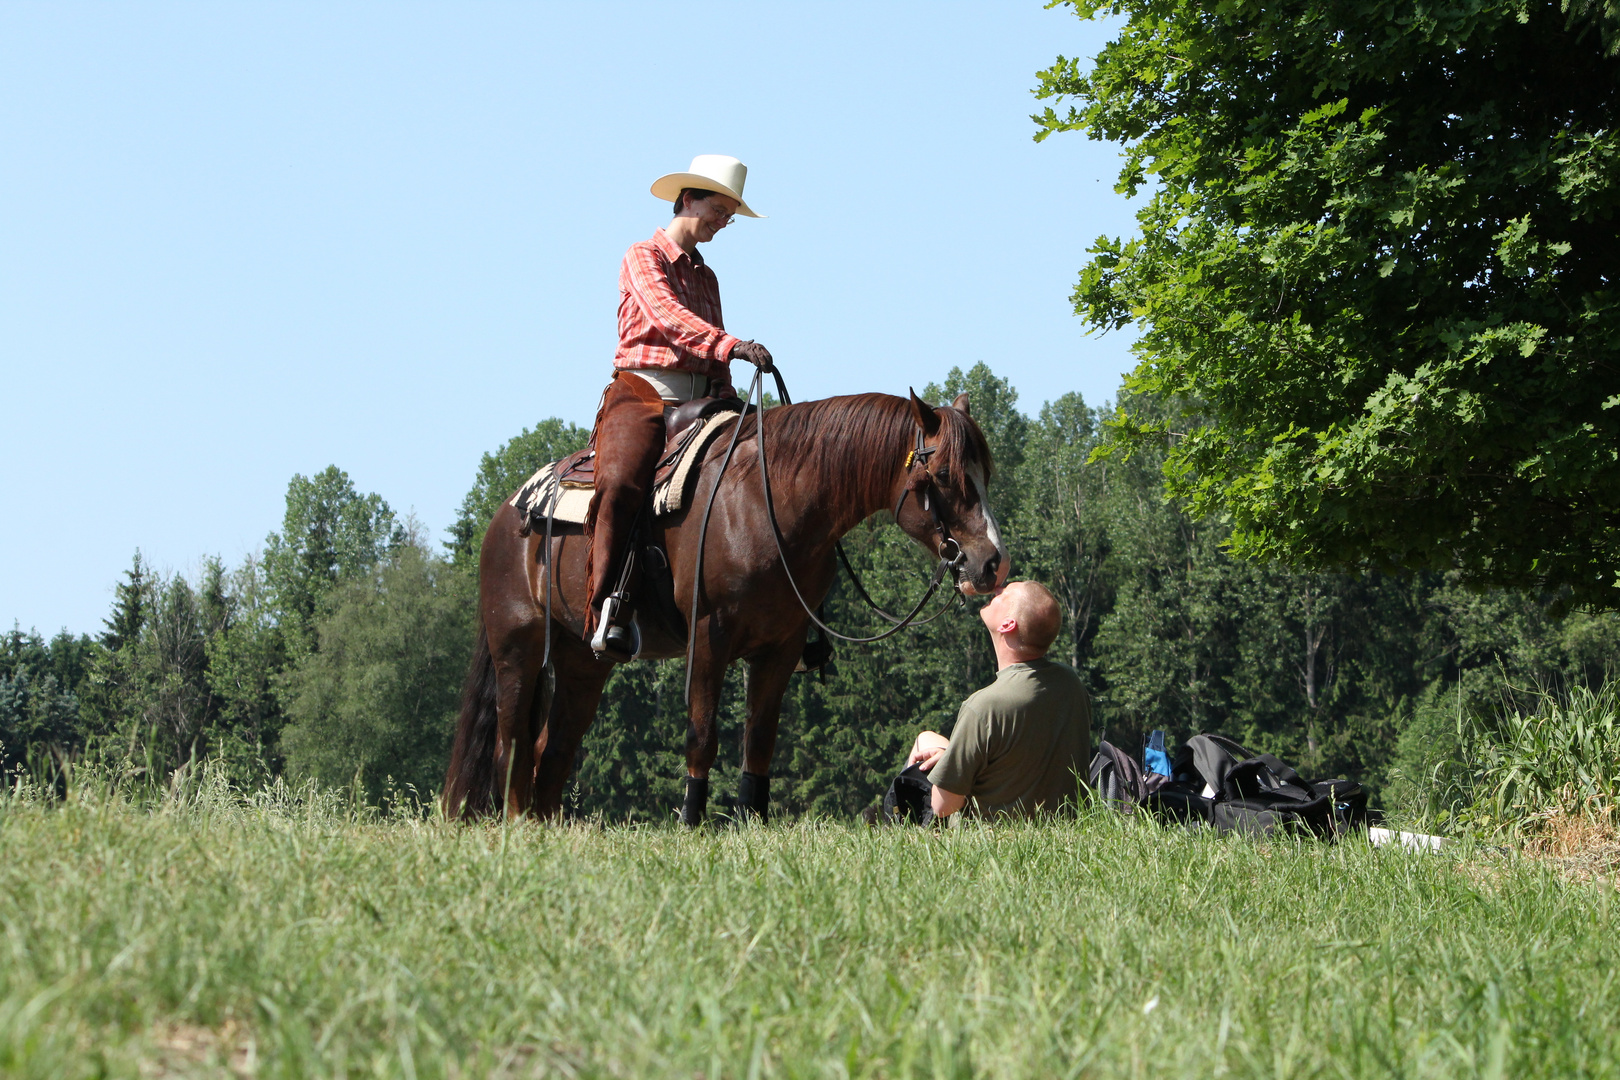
963	758
945	803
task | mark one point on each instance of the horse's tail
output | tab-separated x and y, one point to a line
469	785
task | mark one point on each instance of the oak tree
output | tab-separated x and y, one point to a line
1377	263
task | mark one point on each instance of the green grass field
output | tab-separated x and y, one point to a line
274	936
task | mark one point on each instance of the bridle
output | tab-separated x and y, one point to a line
951	556
918	459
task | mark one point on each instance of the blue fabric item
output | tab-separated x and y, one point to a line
1154	759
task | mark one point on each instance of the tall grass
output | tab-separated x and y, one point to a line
1516	770
291	933
1564	758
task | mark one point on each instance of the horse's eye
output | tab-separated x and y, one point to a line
943	479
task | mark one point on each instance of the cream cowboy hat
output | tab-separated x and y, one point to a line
712	172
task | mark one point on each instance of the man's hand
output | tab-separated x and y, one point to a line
754	353
927	750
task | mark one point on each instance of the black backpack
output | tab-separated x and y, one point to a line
1117	777
909	798
1221	783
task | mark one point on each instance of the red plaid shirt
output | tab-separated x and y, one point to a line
669	312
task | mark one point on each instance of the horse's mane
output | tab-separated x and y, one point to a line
876	430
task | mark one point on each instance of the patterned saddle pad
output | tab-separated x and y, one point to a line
572	480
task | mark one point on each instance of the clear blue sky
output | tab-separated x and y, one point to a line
240	241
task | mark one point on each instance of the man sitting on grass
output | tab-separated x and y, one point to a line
1020	744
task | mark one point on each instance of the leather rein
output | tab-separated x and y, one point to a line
951	555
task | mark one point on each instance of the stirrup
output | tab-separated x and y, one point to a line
614	639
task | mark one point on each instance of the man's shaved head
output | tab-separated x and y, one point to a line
1039	617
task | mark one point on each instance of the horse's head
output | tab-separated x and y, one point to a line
946	505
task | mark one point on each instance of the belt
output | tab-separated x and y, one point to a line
678	386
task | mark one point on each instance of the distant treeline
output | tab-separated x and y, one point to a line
338	652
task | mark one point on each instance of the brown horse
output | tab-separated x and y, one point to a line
832	464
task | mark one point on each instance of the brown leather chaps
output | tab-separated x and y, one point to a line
629	438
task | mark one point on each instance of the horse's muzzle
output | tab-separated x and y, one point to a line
980	575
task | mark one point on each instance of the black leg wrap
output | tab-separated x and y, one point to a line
697	801
754	795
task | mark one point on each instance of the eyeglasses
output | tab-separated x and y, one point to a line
726	216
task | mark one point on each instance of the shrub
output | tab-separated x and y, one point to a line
1559	759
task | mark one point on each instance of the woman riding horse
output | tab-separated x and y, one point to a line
673	347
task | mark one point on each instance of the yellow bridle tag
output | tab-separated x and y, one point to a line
911	455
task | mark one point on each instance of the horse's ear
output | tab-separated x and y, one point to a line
926	416
960	404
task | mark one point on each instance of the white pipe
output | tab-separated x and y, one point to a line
1412	841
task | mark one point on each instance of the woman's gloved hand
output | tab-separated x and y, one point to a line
754	353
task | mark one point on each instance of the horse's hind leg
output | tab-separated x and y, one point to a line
768	678
518	676
580	678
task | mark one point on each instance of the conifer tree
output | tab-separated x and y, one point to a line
130	603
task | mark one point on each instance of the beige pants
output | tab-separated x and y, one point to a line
674	386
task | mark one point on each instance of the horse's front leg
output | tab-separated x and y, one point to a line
768	678
702	727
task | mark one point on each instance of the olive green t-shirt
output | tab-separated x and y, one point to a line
1019	742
